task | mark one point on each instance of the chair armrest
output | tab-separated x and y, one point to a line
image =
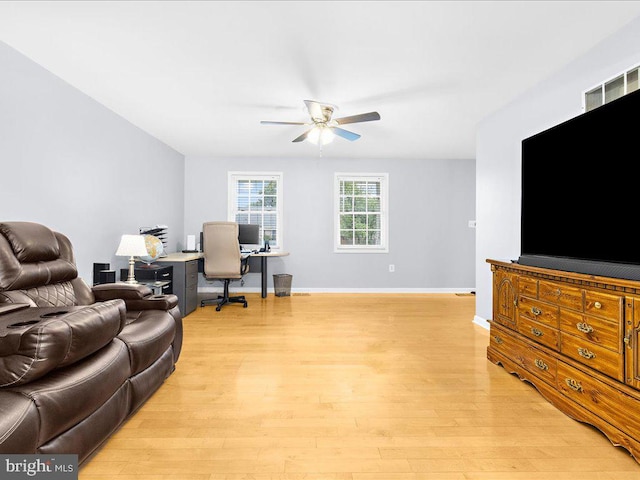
244	264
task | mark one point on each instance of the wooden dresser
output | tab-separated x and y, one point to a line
576	338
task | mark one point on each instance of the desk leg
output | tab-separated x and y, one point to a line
263	261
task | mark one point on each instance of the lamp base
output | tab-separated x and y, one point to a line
131	279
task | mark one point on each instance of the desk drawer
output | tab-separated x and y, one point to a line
191	273
190	298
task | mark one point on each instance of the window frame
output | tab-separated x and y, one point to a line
232	179
383	247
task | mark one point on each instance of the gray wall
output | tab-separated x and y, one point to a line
77	167
72	164
499	141
430	205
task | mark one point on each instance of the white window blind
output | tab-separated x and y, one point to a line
256	198
611	89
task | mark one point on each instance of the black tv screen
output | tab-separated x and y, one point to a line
581	193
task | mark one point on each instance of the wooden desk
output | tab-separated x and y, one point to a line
264	256
185	275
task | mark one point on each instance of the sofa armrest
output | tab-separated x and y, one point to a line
125	291
153	302
136	296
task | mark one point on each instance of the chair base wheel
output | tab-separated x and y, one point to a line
224	299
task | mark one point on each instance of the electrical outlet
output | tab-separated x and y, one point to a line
472	224
392	268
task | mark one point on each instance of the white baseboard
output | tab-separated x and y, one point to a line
343	290
482	322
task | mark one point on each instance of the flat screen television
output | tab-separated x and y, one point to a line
581	193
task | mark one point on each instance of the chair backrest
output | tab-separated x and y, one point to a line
221	250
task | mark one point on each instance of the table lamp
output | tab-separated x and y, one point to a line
131	246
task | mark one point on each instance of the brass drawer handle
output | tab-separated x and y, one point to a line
536	311
536	332
584	327
586	353
597	305
573	384
498	339
541	365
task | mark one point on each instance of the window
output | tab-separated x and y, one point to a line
256	198
612	88
361	212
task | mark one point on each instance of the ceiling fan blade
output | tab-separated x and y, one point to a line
363	117
268	122
315	110
302	137
345	134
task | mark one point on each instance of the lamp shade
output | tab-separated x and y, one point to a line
132	246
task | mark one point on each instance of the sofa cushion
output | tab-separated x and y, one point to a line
67	396
87	435
148	334
35	341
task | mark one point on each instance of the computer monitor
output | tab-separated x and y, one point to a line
248	235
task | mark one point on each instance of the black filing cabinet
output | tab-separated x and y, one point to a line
185	282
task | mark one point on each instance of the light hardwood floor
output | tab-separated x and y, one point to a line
349	387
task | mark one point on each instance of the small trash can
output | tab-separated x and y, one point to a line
282	284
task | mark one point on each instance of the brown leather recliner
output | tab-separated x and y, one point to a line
75	361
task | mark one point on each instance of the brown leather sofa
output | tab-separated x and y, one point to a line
75	361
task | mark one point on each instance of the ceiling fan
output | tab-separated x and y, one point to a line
324	127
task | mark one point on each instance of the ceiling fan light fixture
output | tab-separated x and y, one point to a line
321	135
325	128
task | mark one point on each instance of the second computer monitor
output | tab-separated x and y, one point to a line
248	234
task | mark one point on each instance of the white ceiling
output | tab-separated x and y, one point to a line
201	75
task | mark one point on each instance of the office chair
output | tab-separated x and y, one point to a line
222	259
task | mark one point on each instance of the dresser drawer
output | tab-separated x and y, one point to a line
560	294
539	332
525	355
596	330
537	311
604	305
608	403
594	356
528	287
